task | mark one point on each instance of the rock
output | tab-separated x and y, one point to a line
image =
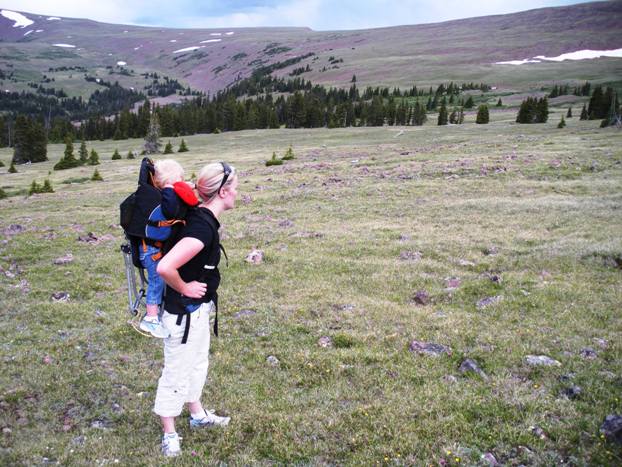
99	424
405	238
255	257
89	238
452	282
244	313
286	223
325	342
410	255
490	250
421	298
471	366
488	301
68	258
429	348
494	277
588	353
6	430
272	360
450	379
541	360
602	343
464	262
246	199
612	428
14	229
79	440
490	459
537	431
60	296
572	392
116	408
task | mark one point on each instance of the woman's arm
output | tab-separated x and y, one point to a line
168	267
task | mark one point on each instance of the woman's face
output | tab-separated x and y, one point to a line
231	192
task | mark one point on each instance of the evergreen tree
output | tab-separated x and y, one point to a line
34	188
584	115
168	149
68	161
469	103
274	161
569	113
499	103
30	141
84	153
3	194
115	155
94	158
562	123
152	140
183	147
442	115
47	187
12	169
461	117
130	154
289	154
353	80
482	115
1	164
453	117
96	176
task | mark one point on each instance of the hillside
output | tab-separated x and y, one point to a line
211	59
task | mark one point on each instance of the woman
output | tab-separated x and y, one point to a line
190	271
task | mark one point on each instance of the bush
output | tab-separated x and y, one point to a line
274	161
562	123
96	177
3	194
36	188
115	155
168	149
94	158
1	164
130	154
12	169
483	116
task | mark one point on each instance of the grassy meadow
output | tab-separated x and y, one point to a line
373	238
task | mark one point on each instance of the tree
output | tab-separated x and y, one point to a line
442	115
152	140
115	155
3	194
569	113
183	147
482	115
562	123
584	115
469	103
94	158
68	161
30	141
499	103
168	149
130	154
84	153
353	80
12	169
533	110
96	176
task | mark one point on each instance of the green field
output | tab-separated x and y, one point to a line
359	223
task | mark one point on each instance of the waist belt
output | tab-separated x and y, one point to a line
181	312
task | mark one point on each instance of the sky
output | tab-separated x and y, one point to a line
320	15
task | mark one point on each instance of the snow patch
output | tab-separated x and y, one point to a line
53	18
188	49
28	32
230	33
121	63
39	30
517	62
584	55
173	40
136	48
210	40
20	20
215	34
65	45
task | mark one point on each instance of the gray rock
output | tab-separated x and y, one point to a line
588	353
602	343
6	430
410	255
60	296
429	348
490	459
612	428
541	360
325	342
255	257
99	424
488	301
244	314
452	282
539	432
572	392
421	298
272	360
471	366
490	250
450	379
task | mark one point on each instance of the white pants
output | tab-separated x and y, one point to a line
185	365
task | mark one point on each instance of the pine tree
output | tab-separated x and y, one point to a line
289	154
3	194
47	187
30	141
2	164
34	188
115	155
183	147
68	161
168	149
12	169
442	115
94	158
152	140
482	115
453	117
569	113
96	177
562	123
353	80
84	153
499	103
274	161
130	154
461	117
584	115
469	103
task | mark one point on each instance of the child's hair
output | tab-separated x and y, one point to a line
167	172
210	178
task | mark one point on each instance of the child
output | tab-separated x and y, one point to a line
177	195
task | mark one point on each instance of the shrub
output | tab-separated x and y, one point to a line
130	154
289	155
562	123
168	149
183	147
115	155
36	188
3	194
94	158
274	161
482	115
96	176
12	169
1	164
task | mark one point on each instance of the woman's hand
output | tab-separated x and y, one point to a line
194	289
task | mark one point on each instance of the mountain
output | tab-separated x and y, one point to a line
67	49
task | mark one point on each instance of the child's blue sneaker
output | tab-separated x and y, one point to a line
153	326
209	420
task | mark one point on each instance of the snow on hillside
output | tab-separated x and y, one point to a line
578	55
20	20
210	40
64	45
187	49
53	18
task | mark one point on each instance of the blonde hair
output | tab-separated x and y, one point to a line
210	178
167	172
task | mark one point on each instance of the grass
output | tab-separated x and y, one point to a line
78	383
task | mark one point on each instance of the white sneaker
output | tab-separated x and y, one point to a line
170	445
153	326
210	420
